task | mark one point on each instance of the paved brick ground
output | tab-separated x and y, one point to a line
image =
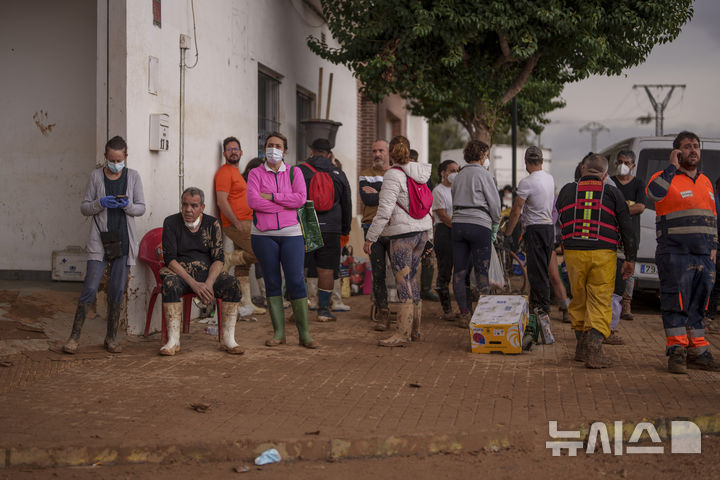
348	389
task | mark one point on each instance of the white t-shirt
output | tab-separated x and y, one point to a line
538	190
442	198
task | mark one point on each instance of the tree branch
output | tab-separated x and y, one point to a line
522	78
505	53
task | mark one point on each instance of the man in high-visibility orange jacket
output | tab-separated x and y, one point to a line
687	243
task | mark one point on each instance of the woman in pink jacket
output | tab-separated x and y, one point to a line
274	192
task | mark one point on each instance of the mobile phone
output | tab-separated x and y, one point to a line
120	197
679	157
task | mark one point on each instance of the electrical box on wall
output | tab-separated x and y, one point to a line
159	131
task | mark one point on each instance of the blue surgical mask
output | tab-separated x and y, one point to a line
116	167
274	155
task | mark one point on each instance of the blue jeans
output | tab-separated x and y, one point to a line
118	277
471	247
288	252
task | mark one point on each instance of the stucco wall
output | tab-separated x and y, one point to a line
47	127
220	97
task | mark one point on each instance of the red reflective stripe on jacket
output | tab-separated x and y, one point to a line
680	300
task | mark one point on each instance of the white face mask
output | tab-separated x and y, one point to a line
486	164
273	155
508	198
623	170
451	177
194	224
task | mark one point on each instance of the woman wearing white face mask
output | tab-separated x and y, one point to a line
113	198
442	215
476	216
275	191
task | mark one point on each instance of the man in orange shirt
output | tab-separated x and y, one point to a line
236	217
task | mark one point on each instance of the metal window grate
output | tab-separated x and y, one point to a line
304	111
268	108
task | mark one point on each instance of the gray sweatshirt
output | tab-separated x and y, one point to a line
475	187
91	206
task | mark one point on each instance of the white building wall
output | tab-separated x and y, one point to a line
47	127
234	37
418	133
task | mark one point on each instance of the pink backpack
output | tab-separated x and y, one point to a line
421	198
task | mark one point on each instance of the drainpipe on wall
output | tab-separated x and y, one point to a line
184	46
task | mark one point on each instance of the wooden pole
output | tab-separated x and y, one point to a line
319	95
327	106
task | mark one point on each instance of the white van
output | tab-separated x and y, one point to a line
652	155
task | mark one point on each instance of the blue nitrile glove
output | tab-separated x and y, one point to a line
123	202
109	202
493	236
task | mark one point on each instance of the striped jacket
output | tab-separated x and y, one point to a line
686	216
594	216
370	177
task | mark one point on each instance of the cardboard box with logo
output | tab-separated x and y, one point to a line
498	324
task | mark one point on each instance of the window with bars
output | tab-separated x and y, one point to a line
305	105
268	108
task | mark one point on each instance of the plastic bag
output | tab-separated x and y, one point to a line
495	273
310	227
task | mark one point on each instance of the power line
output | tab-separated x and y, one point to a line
659	107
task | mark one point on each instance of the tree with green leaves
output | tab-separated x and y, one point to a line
467	59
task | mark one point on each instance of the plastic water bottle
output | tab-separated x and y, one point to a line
211	330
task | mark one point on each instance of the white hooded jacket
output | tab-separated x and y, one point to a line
391	219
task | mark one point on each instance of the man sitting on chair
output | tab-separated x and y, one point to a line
193	254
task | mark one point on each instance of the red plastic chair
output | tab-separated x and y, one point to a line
148	254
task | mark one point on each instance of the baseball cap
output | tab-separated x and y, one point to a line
533	153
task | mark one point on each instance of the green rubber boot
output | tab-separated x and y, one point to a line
300	311
277	316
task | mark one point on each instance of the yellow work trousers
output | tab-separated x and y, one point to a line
592	281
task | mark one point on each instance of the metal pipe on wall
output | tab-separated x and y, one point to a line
181	142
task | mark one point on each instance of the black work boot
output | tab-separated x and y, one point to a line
677	360
382	319
444	295
594	357
71	345
113	321
704	361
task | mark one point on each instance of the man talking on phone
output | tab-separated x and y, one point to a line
687	242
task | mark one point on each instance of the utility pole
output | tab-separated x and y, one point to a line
659	107
594	128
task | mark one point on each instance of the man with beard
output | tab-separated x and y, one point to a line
687	243
370	183
236	217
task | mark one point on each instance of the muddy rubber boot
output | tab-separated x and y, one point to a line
277	317
312	291
404	327
580	354
594	357
113	321
71	345
300	310
426	275
247	296
704	361
229	320
415	334
236	257
564	309
336	301
382	319
173	319
677	360
445	302
626	314
614	339
463	320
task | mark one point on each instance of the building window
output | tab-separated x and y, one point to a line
305	106
268	108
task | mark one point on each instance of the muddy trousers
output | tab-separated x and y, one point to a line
405	257
471	247
592	279
686	281
241	240
378	251
116	285
539	240
225	288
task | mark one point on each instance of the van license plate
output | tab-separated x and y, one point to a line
648	268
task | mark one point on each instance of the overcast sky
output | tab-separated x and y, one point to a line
692	59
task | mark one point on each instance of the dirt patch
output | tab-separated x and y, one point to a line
33	306
8	296
16	331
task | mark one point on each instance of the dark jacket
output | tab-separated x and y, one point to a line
338	218
596	218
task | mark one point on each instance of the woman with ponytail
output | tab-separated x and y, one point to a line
408	237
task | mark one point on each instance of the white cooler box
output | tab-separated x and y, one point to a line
70	264
498	324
